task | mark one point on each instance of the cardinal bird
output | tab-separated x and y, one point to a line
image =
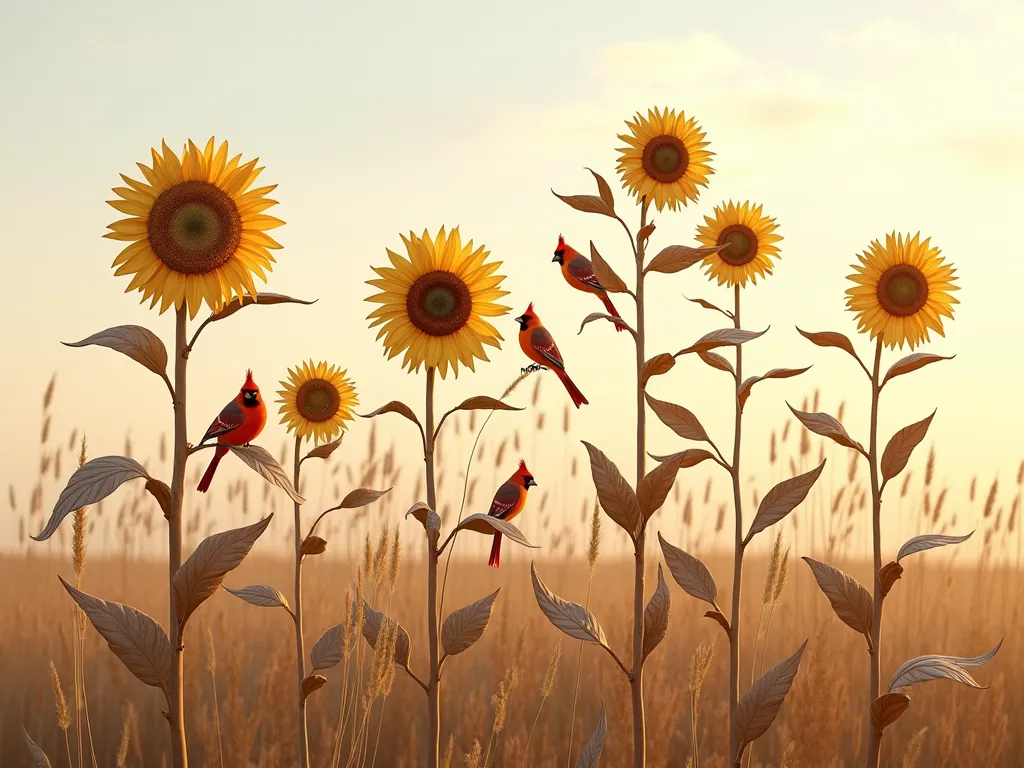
239	423
579	273
538	345
509	502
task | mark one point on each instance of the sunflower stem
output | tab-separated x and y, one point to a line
737	577
300	653
875	650
434	680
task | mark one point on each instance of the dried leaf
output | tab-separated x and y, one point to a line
312	683
140	344
204	571
709	305
616	321
715	360
158	490
850	600
261	298
929	541
726	337
972	662
774	373
395	406
327	650
901	446
656	366
912	363
656	615
571	618
261	595
830	339
616	495
609	280
889	575
827	426
722	621
313	545
483	403
691	457
586	203
360	497
262	463
372	622
783	499
678	419
603	190
926	668
39	758
428	518
655	486
690	573
91	483
324	450
465	626
760	705
135	638
590	757
644	234
676	258
887	709
489	525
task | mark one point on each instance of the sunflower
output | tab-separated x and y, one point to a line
901	290
433	303
317	400
665	160
197	231
749	237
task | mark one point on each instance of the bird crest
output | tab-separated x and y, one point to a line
561	241
249	383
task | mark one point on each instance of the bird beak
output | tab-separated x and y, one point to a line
555	258
531	484
520	319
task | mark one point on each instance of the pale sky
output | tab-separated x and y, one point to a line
845	120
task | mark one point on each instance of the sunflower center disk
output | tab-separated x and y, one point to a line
665	159
902	290
741	245
439	303
317	400
194	227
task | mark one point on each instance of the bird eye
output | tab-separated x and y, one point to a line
560	252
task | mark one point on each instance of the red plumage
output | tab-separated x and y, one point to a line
508	502
578	272
239	423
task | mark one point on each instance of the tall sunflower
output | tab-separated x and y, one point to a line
901	290
433	303
317	401
750	240
666	159
197	231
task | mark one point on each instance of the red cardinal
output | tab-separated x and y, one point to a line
540	347
509	502
239	423
579	273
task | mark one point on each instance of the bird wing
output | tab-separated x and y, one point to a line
545	346
505	499
231	418
582	270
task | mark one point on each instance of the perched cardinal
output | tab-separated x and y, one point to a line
538	345
509	502
239	423
579	273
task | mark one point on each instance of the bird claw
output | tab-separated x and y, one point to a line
533	368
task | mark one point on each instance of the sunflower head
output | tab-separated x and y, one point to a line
901	290
317	401
749	239
666	159
434	301
197	229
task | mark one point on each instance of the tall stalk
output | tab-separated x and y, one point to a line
176	689
739	546
433	682
874	733
300	652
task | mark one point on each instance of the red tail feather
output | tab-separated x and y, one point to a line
577	397
613	312
219	453
495	551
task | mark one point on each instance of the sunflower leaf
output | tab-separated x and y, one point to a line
261	298
657	366
586	203
324	450
676	258
912	363
725	337
140	344
609	280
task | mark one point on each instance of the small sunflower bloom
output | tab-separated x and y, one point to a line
317	401
749	239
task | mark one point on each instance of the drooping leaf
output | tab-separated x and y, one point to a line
972	662
827	426
850	600
675	258
929	541
725	337
709	305
586	203
609	280
691	457
159	490
616	495
603	190
327	650
760	705
656	366
888	708
135	638
483	403
616	321
39	758
774	373
92	482
656	615
489	525
465	626
715	360
690	573
783	499
655	487
313	545
590	757
312	683
360	497
204	571
428	518
261	298
679	419
372	622
912	363
830	339
571	618
263	464
901	446
889	575
324	450
932	667
723	622
140	344
261	595
644	234
395	406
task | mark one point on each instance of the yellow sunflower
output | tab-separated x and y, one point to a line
666	158
197	231
433	303
750	240
317	401
902	290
